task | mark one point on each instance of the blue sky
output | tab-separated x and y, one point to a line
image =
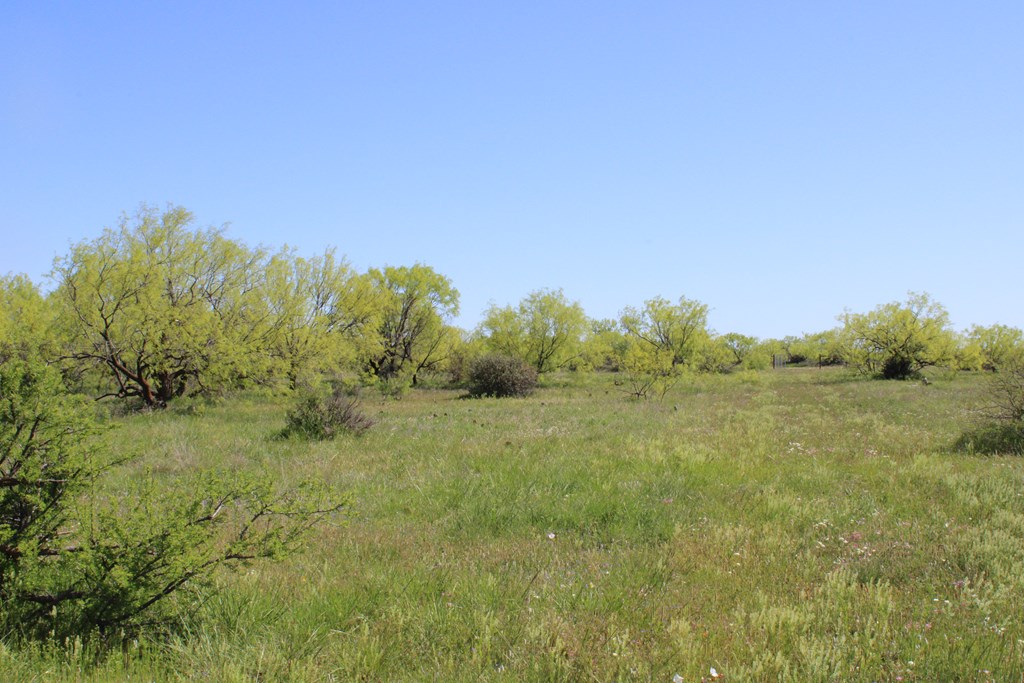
778	161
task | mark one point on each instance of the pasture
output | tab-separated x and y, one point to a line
803	525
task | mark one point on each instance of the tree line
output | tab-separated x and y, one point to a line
156	308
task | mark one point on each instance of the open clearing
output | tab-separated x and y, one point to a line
796	525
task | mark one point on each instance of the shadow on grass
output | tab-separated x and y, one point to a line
992	439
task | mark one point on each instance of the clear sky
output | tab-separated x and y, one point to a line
779	161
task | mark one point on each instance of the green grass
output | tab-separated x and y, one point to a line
801	525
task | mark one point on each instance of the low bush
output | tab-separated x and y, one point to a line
1001	427
500	376
320	418
992	439
1007	392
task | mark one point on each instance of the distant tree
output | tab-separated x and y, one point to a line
504	331
453	347
760	357
322	315
466	348
740	347
26	319
793	349
727	352
545	329
825	348
992	347
650	371
605	345
712	355
680	329
160	307
897	340
1001	349
413	332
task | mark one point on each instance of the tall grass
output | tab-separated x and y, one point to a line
796	525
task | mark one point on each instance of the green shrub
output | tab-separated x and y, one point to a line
317	417
1001	427
992	439
79	561
499	376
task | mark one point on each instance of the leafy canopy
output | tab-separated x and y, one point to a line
679	329
899	339
544	330
160	309
413	335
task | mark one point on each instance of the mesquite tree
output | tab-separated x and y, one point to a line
322	315
161	308
678	329
545	330
897	340
413	333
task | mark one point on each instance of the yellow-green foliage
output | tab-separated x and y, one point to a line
649	371
604	347
415	305
25	319
323	317
824	348
898	339
991	348
545	330
158	308
680	329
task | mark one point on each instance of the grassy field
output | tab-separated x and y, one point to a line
800	525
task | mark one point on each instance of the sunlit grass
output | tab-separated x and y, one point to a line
796	525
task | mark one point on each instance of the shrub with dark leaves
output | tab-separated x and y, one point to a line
321	418
500	376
